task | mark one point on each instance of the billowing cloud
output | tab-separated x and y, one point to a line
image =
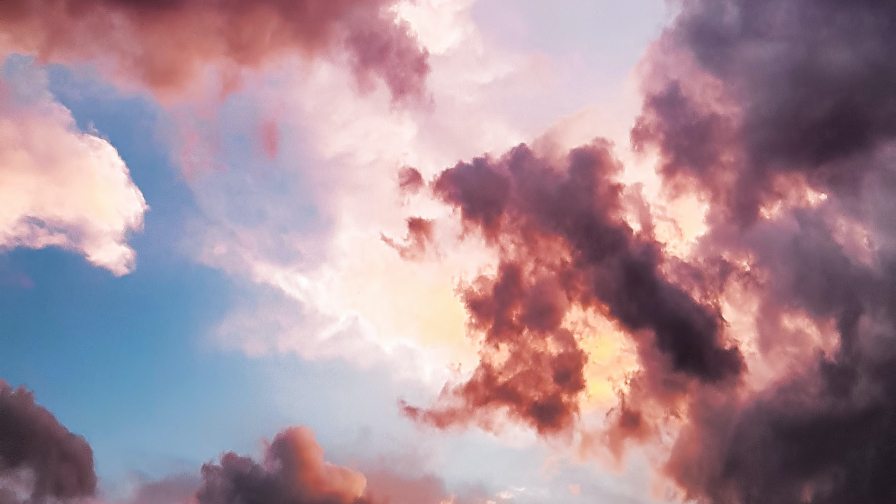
41	461
315	227
60	186
719	120
771	329
784	119
765	351
303	477
564	244
39	458
419	238
410	180
294	471
166	45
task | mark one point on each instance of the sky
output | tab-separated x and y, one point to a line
447	251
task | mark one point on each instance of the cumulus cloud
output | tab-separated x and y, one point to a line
564	244
166	45
315	224
39	458
780	115
717	119
771	329
418	239
60	186
766	350
41	461
294	471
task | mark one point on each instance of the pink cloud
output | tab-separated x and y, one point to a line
62	187
166	45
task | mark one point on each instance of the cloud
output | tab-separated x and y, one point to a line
56	463
180	489
780	113
167	45
410	180
294	471
564	244
59	186
314	224
716	118
766	351
41	461
770	328
419	237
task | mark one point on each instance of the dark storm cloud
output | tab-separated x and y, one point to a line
293	471
812	84
59	463
563	242
805	101
419	237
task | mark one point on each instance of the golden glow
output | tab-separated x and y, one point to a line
680	223
406	300
610	356
792	191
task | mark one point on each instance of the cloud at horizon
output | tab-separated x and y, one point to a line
40	460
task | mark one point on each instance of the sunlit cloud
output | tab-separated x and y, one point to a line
60	186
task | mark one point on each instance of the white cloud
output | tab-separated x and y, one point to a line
59	186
